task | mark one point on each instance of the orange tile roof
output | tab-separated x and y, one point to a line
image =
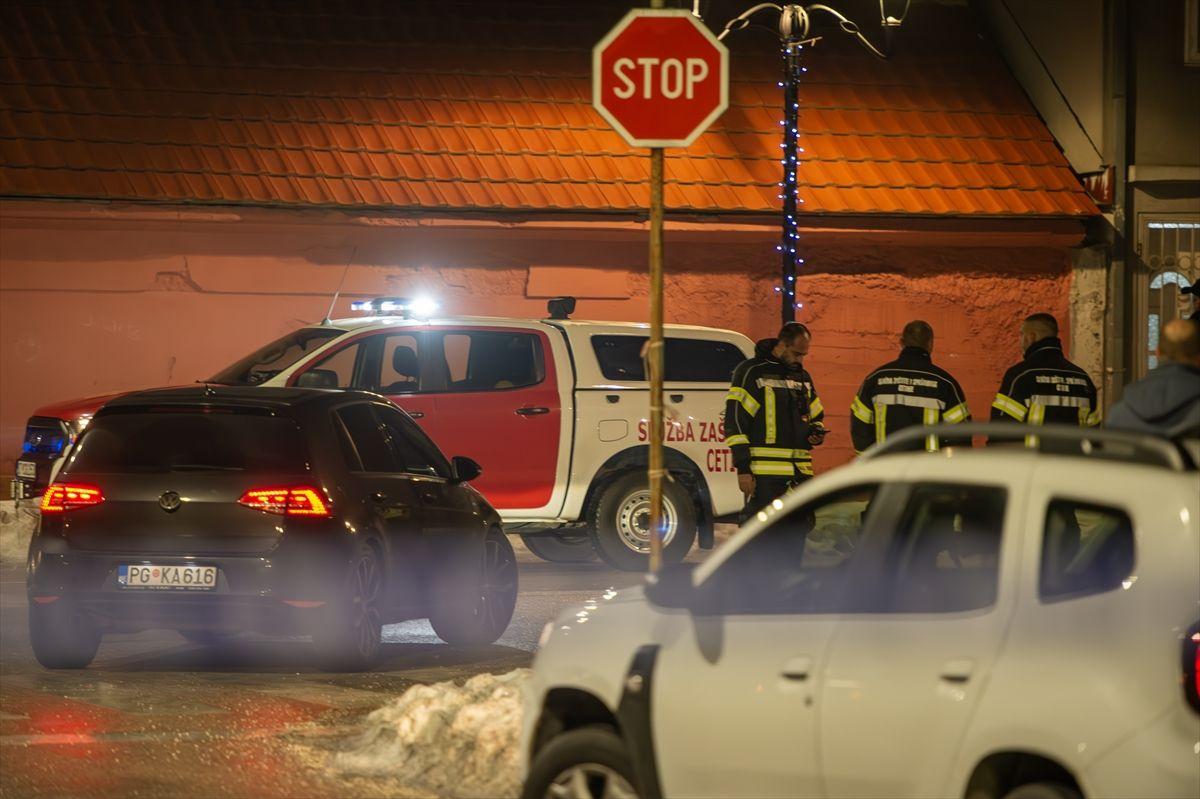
453	105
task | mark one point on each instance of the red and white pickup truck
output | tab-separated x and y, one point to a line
555	411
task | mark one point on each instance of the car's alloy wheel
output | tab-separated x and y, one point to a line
349	634
585	763
590	781
475	594
366	597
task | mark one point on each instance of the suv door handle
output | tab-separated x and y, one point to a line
676	398
417	414
797	669
957	671
532	411
378	497
429	496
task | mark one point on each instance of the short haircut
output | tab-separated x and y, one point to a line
1180	341
917	334
791	331
1043	324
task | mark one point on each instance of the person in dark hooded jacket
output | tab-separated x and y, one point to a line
1166	401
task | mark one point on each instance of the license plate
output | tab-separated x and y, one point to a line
27	469
167	578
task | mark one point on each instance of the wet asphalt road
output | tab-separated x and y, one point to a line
156	716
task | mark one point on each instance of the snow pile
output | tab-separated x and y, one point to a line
16	528
450	740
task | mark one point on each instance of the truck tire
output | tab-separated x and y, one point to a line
559	548
621	521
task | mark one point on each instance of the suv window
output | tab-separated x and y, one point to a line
400	365
177	439
337	370
417	454
1086	549
797	565
486	360
945	557
268	361
370	442
685	360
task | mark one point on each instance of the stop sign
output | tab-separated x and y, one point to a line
660	77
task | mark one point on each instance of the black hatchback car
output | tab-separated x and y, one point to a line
217	510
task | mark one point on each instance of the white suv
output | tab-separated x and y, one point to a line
977	623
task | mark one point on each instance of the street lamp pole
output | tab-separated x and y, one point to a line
794	25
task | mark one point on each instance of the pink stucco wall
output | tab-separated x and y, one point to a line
94	301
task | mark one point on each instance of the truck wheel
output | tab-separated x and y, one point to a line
560	548
473	598
621	524
62	637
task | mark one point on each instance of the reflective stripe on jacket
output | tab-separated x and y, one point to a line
908	391
769	413
1046	388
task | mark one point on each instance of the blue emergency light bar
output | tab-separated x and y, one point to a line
418	308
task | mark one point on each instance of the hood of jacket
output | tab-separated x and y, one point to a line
764	348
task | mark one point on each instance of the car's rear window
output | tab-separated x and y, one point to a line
685	360
176	440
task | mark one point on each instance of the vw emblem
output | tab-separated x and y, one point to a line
169	501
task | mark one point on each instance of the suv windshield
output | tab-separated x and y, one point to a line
266	362
179	439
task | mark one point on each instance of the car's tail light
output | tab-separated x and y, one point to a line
1191	667
302	501
62	497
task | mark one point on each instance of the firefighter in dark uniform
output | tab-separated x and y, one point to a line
773	417
1045	388
908	391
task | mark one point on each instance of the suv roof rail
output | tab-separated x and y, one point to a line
1114	445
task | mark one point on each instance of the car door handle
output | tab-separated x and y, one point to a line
958	671
532	411
676	398
379	497
429	496
417	414
797	669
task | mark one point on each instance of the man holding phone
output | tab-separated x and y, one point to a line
773	418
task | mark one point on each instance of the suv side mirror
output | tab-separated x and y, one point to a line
465	470
673	587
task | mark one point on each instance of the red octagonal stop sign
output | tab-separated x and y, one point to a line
660	77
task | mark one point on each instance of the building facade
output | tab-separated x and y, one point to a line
182	183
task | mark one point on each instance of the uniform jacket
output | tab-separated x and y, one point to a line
1046	388
908	391
1166	402
770	412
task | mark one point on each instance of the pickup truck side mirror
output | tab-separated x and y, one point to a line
465	469
318	378
673	587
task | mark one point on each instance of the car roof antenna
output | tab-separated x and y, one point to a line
328	320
